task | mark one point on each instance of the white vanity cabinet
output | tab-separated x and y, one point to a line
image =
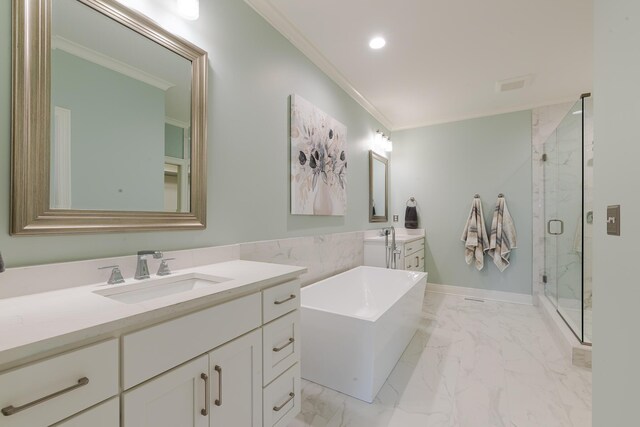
51	390
233	364
221	388
206	368
235	372
104	415
176	398
411	256
281	355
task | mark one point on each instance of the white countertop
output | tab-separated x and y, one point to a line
400	238
41	322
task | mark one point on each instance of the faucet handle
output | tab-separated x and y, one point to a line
116	274
164	269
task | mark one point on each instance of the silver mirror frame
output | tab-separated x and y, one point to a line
31	128
378	218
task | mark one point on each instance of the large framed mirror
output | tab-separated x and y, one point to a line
109	121
378	188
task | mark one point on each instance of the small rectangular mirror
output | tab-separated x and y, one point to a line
378	188
109	121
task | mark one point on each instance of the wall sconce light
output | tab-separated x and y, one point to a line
189	9
388	145
382	142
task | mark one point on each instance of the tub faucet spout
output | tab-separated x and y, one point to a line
392	249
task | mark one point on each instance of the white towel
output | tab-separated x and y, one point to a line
503	235
474	235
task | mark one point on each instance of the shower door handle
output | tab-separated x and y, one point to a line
561	227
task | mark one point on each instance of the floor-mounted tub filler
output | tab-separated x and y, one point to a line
355	326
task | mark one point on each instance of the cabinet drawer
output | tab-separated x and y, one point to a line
282	399
415	261
54	389
157	349
280	300
411	247
281	345
104	415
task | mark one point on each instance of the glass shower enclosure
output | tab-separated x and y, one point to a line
568	211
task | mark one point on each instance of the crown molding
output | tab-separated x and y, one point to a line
486	113
73	48
265	9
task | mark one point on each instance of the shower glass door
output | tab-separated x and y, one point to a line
563	202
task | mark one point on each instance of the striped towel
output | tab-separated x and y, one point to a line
474	235
503	235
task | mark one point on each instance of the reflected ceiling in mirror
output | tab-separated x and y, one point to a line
109	121
120	115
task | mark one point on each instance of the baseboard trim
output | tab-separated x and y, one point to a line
511	297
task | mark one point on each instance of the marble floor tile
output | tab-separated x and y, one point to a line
470	364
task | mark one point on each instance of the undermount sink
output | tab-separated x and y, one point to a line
152	289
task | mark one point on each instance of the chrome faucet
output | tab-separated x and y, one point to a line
392	249
142	269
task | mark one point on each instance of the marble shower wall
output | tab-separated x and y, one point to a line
323	255
544	121
588	209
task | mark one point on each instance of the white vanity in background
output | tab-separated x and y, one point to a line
410	244
223	353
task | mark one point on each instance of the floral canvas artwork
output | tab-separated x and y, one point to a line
318	161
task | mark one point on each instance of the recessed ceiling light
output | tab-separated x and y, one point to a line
377	43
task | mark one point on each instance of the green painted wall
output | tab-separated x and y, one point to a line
117	135
616	292
173	141
252	71
443	166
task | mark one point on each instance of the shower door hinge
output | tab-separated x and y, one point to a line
544	157
544	278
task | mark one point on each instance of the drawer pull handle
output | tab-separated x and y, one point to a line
417	261
292	296
279	349
205	411
278	408
218	369
10	410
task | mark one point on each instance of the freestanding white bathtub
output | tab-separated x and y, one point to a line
355	326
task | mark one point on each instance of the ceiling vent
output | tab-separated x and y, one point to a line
515	83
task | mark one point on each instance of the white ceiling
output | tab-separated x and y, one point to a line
443	57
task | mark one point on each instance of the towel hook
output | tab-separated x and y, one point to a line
477	196
500	196
412	200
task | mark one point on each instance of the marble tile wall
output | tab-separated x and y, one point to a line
323	255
